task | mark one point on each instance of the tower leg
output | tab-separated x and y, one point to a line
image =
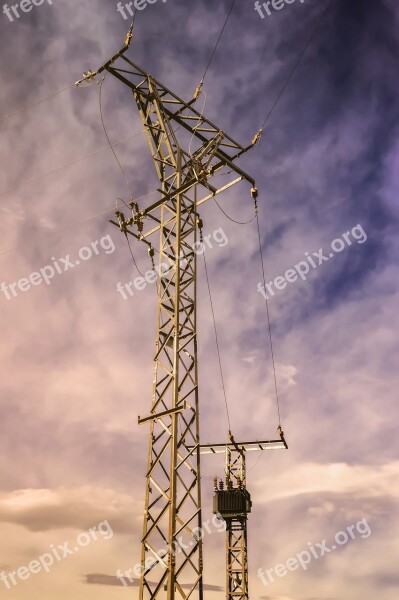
236	531
171	546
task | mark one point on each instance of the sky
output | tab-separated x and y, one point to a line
77	358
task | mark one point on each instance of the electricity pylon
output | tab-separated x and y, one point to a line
232	502
171	550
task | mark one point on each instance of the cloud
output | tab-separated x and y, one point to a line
99	579
296	598
339	478
79	509
76	360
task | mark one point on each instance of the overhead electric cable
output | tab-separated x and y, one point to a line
256	462
23	108
268	320
129	187
218	40
110	145
217	343
297	63
199	123
132	255
231	219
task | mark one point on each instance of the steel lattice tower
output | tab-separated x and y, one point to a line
171	555
232	503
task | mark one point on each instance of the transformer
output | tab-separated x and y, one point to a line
234	503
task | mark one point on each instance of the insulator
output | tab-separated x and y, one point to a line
198	89
257	137
151	253
134	206
129	35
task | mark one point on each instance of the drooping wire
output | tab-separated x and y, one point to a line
268	320
217	342
218	40
256	462
122	171
129	187
296	65
23	108
230	218
256	216
110	145
132	255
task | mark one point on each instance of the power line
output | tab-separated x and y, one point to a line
132	255
110	145
218	40
254	465
22	109
291	74
264	283
199	123
268	319
128	185
217	343
309	41
73	162
231	219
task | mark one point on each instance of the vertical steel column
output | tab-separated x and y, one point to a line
171	549
236	531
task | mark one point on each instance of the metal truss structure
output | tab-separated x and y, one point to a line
172	555
232	503
236	531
